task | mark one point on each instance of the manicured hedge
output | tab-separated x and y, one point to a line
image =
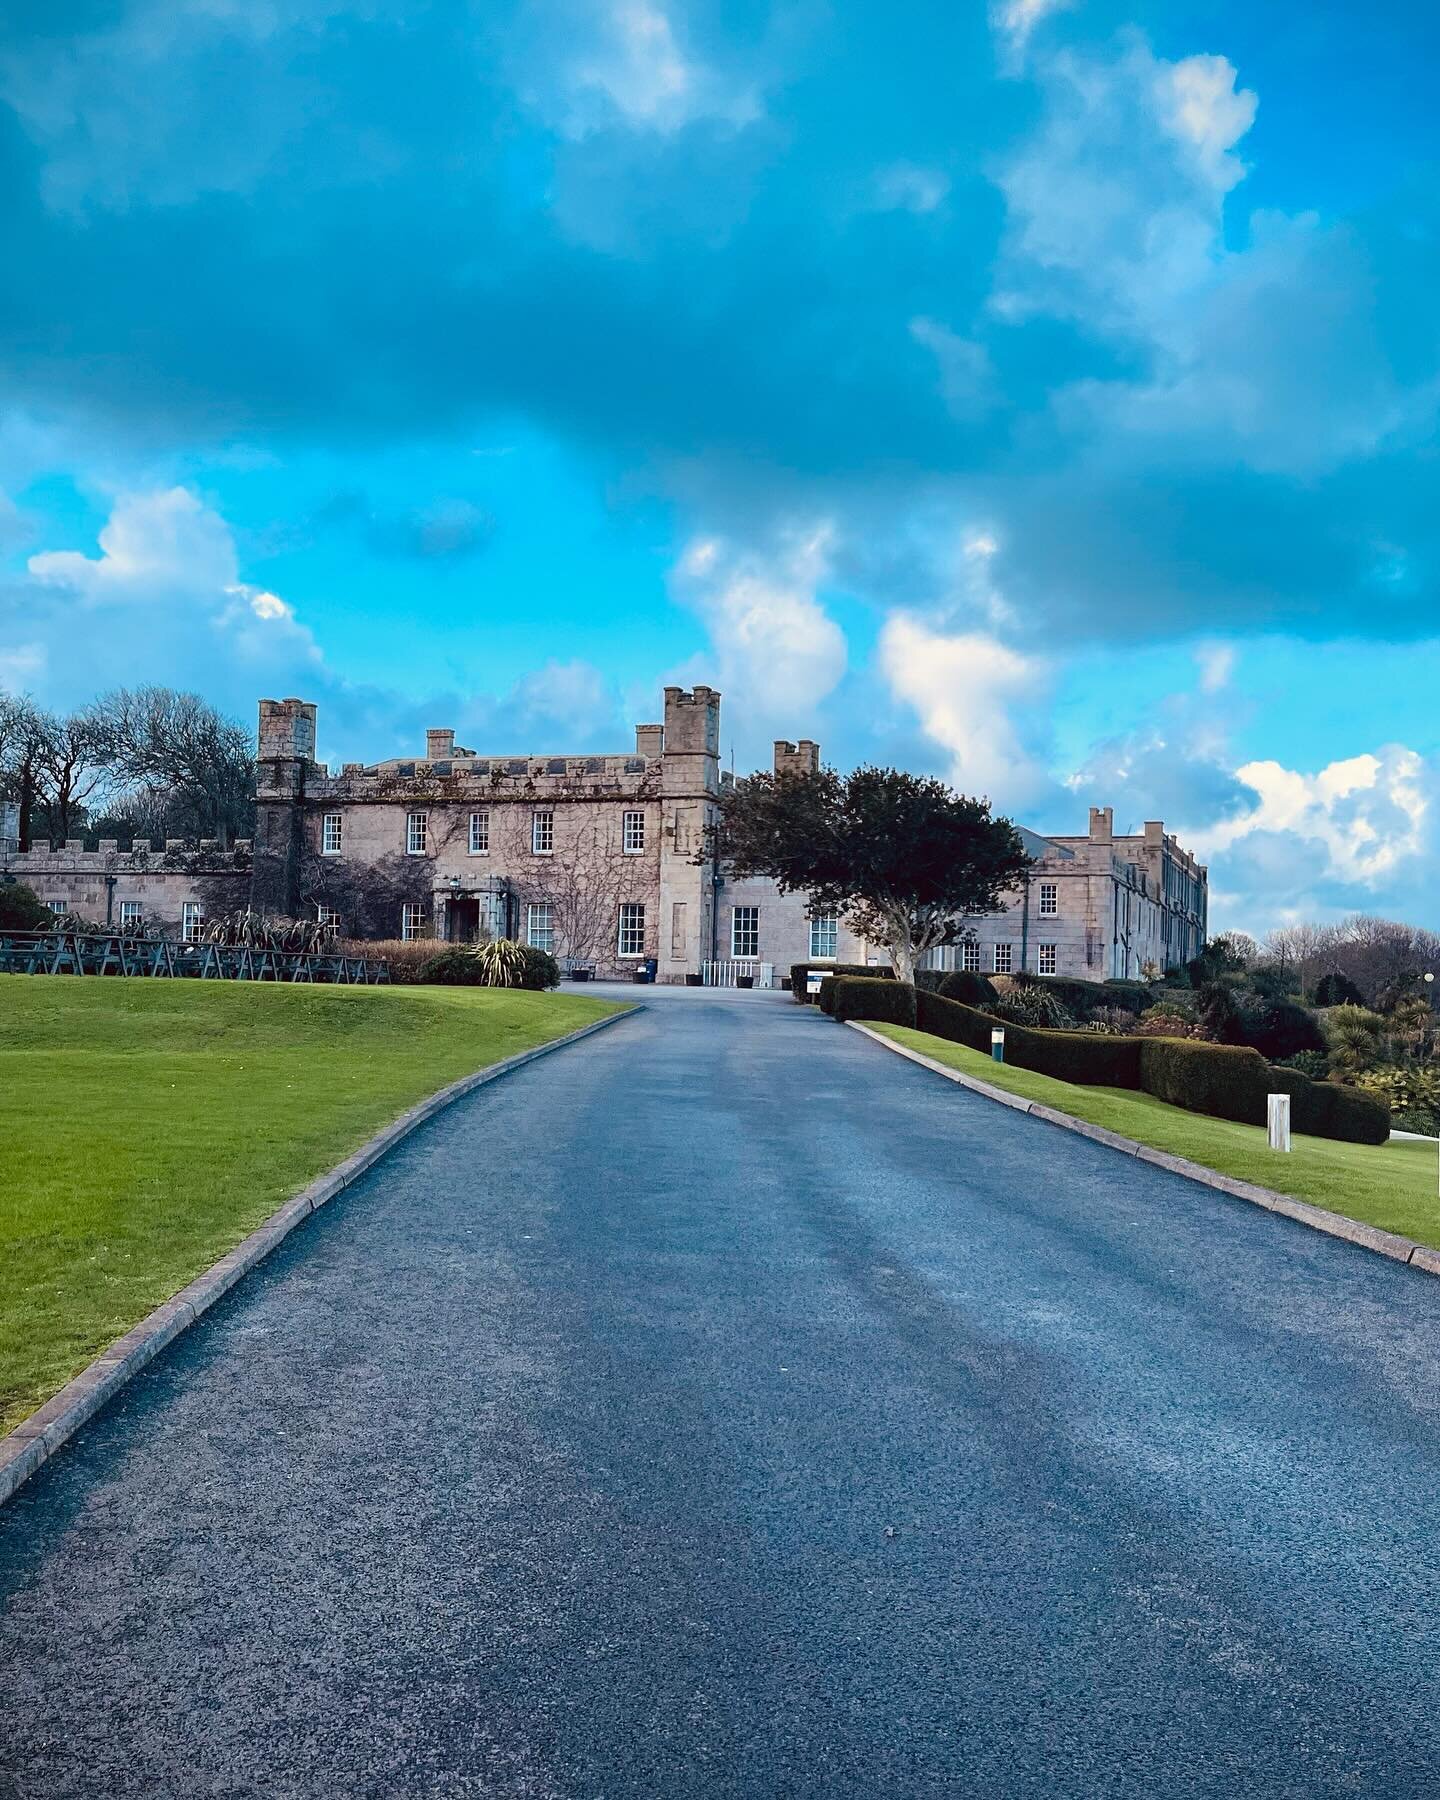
863	997
1325	1109
799	974
1083	1057
968	988
1227	1081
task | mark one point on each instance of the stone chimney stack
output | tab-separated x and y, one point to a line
649	741
1102	824
439	746
797	759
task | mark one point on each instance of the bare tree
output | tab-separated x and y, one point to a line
154	737
70	767
21	731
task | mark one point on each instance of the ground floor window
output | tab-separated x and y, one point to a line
131	912
327	915
1047	963
190	917
745	933
539	926
824	935
58	907
1002	959
632	929
970	956
412	921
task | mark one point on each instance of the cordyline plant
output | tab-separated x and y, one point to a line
906	859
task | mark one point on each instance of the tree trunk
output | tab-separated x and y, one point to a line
902	955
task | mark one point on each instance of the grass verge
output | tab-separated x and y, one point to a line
1390	1185
147	1126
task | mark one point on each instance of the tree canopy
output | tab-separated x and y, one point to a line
905	858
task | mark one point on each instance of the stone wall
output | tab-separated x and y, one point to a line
94	884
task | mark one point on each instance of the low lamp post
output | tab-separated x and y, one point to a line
997	1043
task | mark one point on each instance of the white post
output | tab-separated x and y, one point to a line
1278	1121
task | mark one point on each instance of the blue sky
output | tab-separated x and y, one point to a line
1043	394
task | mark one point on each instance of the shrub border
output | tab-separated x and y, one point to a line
26	1446
1369	1237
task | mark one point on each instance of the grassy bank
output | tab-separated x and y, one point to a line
1391	1185
147	1126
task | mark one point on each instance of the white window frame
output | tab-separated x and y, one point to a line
417	833
540	925
332	830
970	956
132	912
480	834
412	921
752	932
192	917
1047	960
1004	959
542	831
58	907
327	915
824	927
632	832
1049	900
631	929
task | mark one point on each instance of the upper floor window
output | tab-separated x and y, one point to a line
330	829
480	834
632	929
542	832
970	955
1048	959
745	933
824	935
191	914
1002	959
417	833
1049	899
412	920
634	833
540	925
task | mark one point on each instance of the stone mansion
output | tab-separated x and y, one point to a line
598	859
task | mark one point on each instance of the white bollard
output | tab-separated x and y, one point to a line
997	1042
1277	1119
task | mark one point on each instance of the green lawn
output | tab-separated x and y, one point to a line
147	1126
1391	1185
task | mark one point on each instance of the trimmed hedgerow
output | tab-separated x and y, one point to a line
1325	1109
968	988
800	972
1227	1081
825	999
864	997
1083	1057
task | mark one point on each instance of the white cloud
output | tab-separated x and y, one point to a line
1210	112
1217	664
1016	19
777	650
167	556
636	72
909	187
966	378
1364	817
153	547
963	687
20	666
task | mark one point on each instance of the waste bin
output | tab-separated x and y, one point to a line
645	971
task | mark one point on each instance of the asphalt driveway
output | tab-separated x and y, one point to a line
726	1407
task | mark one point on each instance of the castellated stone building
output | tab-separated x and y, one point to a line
598	859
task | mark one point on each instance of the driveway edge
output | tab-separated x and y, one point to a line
33	1441
1354	1231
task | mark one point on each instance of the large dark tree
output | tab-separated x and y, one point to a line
182	757
907	860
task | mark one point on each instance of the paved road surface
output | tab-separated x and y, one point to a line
729	1408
